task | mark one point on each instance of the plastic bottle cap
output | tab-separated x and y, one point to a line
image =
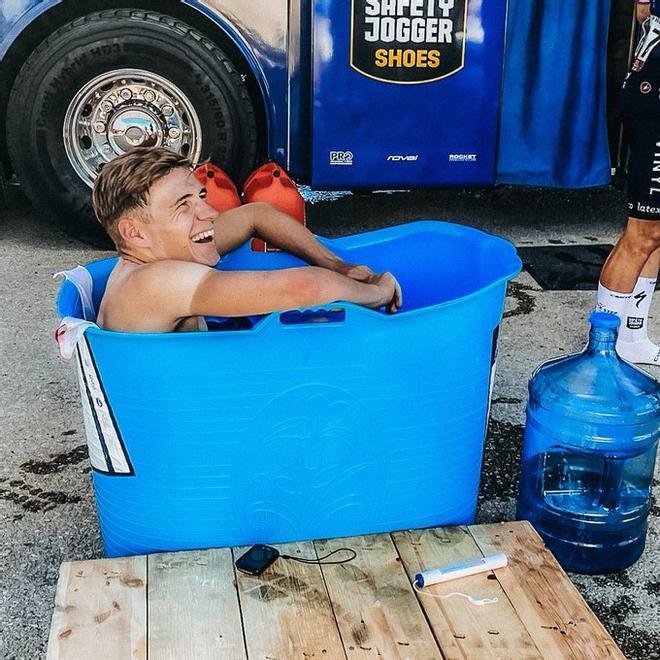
604	320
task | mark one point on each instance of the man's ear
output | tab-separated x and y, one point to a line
132	231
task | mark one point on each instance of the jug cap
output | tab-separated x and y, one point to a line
606	320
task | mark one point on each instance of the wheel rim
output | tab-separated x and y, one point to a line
123	109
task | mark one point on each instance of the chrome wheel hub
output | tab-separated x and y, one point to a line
123	109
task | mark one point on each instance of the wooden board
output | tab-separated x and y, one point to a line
377	612
551	608
286	610
462	628
192	612
100	610
196	605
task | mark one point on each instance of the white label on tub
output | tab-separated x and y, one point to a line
493	367
106	449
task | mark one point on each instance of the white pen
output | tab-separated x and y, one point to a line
462	569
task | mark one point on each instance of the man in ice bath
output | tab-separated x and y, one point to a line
169	239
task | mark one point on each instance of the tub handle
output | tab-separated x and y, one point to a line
312	316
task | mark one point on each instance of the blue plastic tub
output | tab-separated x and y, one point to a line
306	425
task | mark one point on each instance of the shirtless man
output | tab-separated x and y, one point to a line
168	239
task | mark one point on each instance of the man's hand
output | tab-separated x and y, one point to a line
366	275
392	298
357	273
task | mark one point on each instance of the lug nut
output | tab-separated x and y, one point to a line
126	93
174	132
107	106
149	95
99	127
167	110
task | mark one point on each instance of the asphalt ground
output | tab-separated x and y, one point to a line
47	512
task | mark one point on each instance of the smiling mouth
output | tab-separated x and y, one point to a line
203	236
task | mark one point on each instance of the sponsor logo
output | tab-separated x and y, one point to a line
645	208
645	87
341	158
634	323
639	298
408	41
655	178
462	158
397	158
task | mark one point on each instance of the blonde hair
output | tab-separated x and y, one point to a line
124	183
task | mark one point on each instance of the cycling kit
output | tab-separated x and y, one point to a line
640	107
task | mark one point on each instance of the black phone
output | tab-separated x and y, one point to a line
257	559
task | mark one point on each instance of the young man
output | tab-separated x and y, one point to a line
168	239
628	278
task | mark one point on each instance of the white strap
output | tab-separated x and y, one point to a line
69	333
82	280
473	599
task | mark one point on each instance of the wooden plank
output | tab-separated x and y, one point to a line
193	606
374	604
286	610
461	628
100	610
553	611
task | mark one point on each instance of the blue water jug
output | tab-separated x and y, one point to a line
593	423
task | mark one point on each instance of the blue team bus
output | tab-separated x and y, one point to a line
345	94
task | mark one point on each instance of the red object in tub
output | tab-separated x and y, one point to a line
221	192
271	184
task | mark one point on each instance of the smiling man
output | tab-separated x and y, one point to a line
169	239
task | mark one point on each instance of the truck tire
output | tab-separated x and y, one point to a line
113	80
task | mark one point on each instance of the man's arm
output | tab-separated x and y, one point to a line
642	10
286	233
234	227
180	289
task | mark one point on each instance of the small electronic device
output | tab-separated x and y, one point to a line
463	569
257	559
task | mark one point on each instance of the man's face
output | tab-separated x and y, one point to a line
181	225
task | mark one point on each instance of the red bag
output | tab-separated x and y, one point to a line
271	184
221	192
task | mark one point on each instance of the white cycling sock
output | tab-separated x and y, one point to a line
635	318
613	302
633	343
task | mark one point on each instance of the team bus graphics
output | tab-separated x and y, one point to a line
345	94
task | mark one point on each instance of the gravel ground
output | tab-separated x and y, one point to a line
47	512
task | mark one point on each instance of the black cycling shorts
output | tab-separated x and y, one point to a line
640	107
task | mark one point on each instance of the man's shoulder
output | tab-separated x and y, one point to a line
168	282
165	266
153	296
170	272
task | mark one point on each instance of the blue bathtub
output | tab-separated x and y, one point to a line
305	424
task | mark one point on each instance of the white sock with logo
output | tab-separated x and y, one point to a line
613	302
633	343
